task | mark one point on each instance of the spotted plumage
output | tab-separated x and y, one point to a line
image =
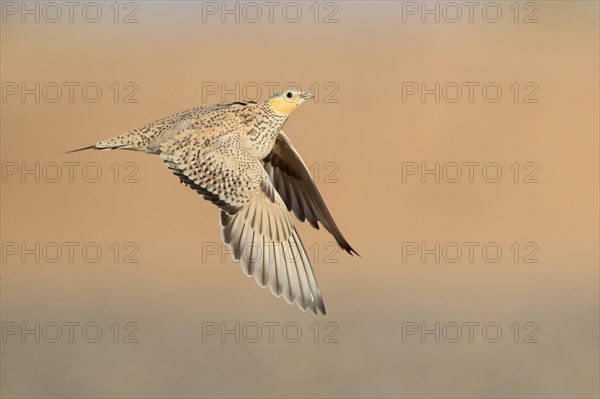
237	157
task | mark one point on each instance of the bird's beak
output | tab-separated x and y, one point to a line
307	96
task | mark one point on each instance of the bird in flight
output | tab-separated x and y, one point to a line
236	156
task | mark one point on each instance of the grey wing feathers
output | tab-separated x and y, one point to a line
255	222
296	187
272	254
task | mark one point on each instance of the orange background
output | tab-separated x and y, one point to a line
367	134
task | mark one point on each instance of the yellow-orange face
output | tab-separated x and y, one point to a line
287	101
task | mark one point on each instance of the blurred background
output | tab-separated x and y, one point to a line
480	285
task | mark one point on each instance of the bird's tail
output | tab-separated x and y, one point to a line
127	141
96	147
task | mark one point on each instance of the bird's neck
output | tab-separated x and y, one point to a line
272	114
280	106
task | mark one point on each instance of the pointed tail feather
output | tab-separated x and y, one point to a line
99	147
90	147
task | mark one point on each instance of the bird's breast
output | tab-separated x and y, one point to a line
259	142
260	135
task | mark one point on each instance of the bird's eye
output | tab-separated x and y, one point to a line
289	94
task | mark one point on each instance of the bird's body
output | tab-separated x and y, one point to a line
237	157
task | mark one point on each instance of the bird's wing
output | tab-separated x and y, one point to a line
254	220
293	182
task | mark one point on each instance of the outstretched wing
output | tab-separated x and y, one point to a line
293	182
254	220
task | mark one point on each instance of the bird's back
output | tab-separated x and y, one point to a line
149	137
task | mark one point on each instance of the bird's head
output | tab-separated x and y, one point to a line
287	101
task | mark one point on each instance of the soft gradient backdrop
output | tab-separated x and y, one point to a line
171	54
